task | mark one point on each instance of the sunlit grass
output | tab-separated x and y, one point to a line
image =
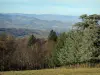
59	71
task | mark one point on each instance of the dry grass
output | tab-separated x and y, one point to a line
59	71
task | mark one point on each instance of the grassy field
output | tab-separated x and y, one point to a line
59	71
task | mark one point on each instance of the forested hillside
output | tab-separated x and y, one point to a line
80	46
22	32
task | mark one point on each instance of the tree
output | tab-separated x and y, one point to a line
87	21
81	44
59	45
91	31
7	48
52	36
70	54
84	16
32	40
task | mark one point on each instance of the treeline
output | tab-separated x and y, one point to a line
81	45
25	53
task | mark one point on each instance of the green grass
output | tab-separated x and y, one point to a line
59	71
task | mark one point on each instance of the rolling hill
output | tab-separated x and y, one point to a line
40	25
19	32
40	22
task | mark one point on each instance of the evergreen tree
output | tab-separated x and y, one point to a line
82	43
60	44
52	36
32	40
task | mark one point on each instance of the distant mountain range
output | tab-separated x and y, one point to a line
24	32
40	22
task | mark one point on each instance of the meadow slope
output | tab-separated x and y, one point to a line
59	71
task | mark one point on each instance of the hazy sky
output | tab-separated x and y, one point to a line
62	7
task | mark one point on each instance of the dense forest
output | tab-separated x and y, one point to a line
80	45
